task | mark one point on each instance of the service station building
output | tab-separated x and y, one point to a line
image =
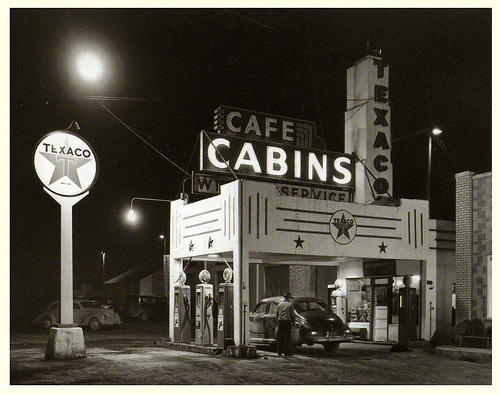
290	216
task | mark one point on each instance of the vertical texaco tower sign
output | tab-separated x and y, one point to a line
65	163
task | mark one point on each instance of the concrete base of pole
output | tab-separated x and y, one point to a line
65	342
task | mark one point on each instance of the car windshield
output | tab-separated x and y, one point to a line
308	305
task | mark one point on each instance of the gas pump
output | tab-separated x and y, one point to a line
407	312
182	310
204	303
337	299
225	320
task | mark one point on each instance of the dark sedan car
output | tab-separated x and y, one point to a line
314	323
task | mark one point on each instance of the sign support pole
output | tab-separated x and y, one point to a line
67	203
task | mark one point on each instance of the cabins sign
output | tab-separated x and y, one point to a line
261	159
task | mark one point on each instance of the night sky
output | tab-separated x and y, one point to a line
171	68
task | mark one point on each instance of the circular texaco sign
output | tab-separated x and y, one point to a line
65	163
343	227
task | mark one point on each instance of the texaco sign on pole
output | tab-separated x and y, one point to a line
67	167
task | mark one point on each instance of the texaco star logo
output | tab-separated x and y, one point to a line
343	227
65	163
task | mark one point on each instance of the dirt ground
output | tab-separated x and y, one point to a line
132	355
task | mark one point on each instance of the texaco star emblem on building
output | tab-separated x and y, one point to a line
343	227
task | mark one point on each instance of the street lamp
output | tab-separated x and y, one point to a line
89	66
132	215
431	132
164	244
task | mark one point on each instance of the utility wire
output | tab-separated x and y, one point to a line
253	20
144	140
181	187
446	151
358	107
369	171
120	98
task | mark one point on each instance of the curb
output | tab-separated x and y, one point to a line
470	354
209	350
248	352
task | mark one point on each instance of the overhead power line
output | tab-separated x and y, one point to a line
144	140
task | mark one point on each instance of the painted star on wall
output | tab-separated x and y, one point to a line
382	248
210	242
299	242
191	245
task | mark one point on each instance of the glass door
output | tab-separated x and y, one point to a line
380	310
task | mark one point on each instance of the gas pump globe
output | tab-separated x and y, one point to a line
204	276
227	275
182	278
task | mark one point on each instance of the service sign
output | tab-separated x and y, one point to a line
263	160
65	163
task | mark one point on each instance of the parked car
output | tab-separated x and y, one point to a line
147	307
85	313
314	323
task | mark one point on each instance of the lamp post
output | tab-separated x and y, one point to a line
164	244
166	270
132	215
431	132
103	267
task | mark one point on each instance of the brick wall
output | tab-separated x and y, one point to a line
473	244
481	242
463	244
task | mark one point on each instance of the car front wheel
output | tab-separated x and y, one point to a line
331	347
144	316
94	324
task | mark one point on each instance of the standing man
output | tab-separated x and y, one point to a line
285	318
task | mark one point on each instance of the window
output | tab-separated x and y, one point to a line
273	308
310	305
358	300
89	305
261	308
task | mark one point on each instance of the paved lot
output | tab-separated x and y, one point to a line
129	355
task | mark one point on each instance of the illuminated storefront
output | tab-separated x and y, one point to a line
298	218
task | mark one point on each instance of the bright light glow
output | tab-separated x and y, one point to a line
162	237
436	131
131	216
89	66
